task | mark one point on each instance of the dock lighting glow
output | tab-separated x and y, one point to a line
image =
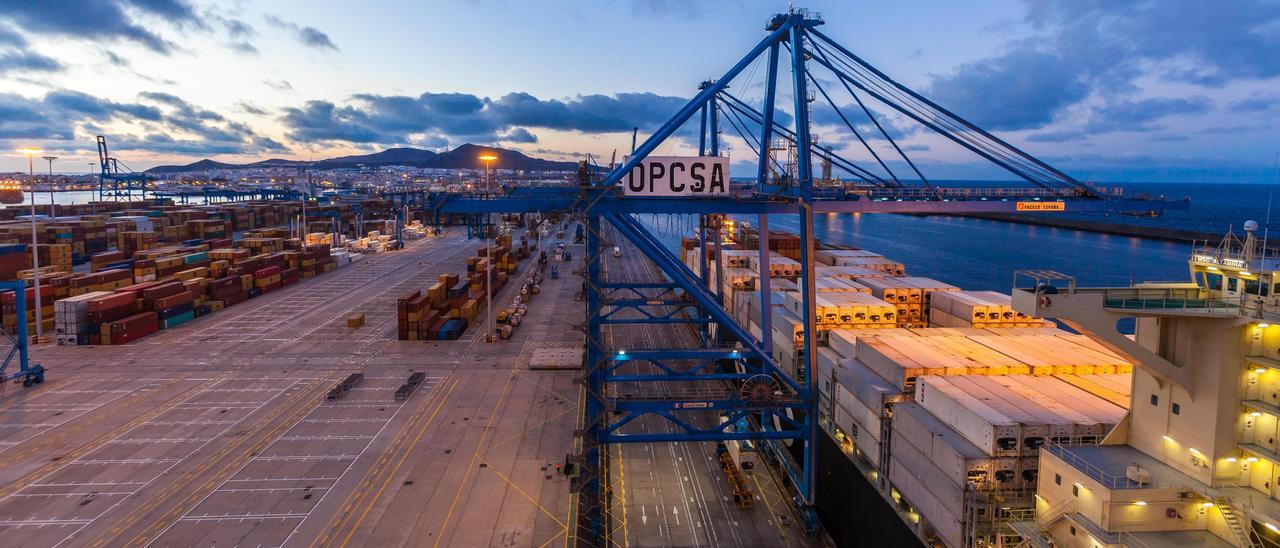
1255	414
1213	268
1251	459
1260	370
1140	503
1206	504
1272	528
622	352
30	151
1167	438
1231	459
1194	450
1264	325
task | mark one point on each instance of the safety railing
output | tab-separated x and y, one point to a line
1095	473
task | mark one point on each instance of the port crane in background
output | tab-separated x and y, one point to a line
115	183
733	356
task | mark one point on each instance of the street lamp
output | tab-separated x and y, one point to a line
487	158
53	208
97	190
35	251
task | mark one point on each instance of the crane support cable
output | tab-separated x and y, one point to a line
819	150
954	129
1057	179
885	133
864	142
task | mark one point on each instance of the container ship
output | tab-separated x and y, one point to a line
981	423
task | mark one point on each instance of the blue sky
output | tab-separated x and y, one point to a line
1113	91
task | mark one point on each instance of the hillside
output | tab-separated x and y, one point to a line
466	156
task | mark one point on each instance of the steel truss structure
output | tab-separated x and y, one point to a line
115	183
718	378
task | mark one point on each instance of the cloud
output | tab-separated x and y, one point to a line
1056	136
397	119
587	113
251	108
28	62
244	47
94	107
1256	103
309	36
1109	51
280	85
312	36
1020	89
116	20
518	135
1138	115
10	37
169	124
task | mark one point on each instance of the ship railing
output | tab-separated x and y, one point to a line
1107	479
1176	298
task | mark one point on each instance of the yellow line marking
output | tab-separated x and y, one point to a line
513	485
403	457
474	457
765	497
554	537
339	519
517	435
622	494
211	462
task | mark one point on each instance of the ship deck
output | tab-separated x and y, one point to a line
218	432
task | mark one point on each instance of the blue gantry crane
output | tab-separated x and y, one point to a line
781	404
115	183
19	342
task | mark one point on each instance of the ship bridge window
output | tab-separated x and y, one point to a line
1233	285
1252	287
1213	281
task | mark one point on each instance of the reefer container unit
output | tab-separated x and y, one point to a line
947	479
984	426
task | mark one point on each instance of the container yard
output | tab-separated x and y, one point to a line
560	353
245	427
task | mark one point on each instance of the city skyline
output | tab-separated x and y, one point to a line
1144	91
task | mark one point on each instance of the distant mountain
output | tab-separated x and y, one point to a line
392	156
464	157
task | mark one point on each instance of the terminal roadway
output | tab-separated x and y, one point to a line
676	493
218	432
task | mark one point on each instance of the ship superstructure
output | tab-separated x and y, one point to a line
1195	461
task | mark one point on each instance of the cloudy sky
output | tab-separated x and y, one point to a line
1174	90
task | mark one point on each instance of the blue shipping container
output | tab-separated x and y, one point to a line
177	320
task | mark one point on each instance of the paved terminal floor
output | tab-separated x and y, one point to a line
218	432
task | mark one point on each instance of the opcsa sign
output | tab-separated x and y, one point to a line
678	176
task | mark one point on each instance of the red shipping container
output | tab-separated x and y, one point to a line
133	328
111	314
267	272
112	301
46	291
172	300
163	289
236	297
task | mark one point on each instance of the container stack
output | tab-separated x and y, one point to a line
444	310
912	295
981	309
